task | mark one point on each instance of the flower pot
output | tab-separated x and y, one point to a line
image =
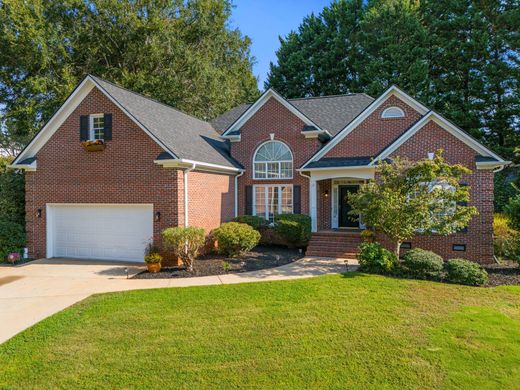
93	146
177	262
153	267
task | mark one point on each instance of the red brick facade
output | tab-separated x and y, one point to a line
124	172
273	118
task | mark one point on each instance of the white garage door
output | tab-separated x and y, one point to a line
111	232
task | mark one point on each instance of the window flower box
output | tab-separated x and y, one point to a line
94	146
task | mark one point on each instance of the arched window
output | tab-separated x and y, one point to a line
392	112
273	160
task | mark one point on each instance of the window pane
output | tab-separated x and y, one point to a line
98	127
286	169
272	202
287	200
260	171
260	201
273	170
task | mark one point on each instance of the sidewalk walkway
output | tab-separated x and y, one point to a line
34	291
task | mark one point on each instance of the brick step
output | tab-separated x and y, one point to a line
323	239
346	255
332	245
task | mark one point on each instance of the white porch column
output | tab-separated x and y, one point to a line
313	209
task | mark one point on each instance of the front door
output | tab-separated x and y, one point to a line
345	219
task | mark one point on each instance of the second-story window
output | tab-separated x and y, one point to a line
97	126
273	160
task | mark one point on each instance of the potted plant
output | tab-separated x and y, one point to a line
13	257
94	146
153	262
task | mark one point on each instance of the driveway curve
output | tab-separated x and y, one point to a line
36	290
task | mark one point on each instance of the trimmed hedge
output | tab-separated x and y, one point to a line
235	238
184	242
466	272
422	264
12	238
294	228
254	221
374	258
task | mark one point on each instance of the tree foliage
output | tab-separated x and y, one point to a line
461	57
180	52
12	195
410	198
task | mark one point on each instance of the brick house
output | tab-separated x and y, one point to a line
160	167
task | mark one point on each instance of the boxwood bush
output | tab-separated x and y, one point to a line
12	238
294	228
235	238
466	272
254	221
184	242
374	258
422	264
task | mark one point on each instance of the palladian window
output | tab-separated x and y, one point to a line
273	160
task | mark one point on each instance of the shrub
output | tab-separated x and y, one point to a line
254	221
513	212
236	238
153	258
294	228
466	272
184	242
422	264
368	235
373	258
506	241
12	238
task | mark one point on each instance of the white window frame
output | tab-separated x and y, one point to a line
266	186
91	132
279	163
387	115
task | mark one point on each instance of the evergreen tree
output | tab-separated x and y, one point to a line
181	53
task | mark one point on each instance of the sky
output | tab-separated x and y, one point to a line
264	20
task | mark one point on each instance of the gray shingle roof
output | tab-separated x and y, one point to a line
331	113
186	136
332	162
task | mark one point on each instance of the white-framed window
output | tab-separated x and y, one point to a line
97	126
273	160
392	112
270	200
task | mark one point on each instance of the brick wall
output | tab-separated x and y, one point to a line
211	199
273	117
375	133
123	173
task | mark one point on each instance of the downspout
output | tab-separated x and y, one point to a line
185	172
236	192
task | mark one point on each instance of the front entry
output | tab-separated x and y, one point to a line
346	220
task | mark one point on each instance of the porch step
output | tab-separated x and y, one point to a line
342	244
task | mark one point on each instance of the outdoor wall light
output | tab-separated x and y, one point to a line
326	193
157	216
39	213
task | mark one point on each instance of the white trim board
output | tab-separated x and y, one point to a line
270	93
444	124
392	91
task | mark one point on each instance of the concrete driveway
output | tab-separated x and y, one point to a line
36	290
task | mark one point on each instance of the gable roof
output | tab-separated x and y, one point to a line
330	113
179	134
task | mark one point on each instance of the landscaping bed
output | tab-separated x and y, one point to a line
260	257
507	273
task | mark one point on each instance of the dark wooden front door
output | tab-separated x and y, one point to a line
345	219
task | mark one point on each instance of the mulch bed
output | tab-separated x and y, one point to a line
260	257
507	273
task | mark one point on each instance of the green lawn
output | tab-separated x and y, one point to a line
338	331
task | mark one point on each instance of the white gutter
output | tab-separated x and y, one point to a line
186	203
182	163
236	192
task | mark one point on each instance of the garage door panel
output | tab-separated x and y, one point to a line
114	232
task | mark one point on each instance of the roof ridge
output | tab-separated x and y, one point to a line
331	96
150	98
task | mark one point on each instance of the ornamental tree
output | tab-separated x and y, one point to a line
408	198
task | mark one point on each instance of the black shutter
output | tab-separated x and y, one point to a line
83	128
108	127
249	200
297	199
